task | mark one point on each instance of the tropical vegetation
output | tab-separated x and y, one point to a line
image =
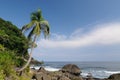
14	46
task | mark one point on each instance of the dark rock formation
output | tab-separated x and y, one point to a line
114	77
36	62
41	76
68	72
71	68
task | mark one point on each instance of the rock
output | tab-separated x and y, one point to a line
71	68
68	72
41	76
56	74
89	77
63	78
41	69
54	78
77	78
114	77
33	70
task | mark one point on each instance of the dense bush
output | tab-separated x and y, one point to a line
2	48
2	75
13	50
12	38
7	62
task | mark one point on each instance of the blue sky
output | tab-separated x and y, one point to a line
81	30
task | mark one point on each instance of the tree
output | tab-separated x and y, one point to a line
37	25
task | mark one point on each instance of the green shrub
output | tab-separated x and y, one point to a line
2	48
6	62
19	62
2	75
12	38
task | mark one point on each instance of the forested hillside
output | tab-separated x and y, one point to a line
13	50
12	38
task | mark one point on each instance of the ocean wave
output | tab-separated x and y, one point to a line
99	73
112	72
97	68
47	68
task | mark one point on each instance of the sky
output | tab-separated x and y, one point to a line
80	30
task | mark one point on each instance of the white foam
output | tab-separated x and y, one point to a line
48	68
36	67
99	73
84	74
112	72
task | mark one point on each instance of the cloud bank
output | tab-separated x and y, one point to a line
97	43
103	34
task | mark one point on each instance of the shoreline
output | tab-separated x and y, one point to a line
51	69
53	73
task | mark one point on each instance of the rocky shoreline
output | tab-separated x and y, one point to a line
68	72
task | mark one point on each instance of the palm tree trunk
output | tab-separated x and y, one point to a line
30	56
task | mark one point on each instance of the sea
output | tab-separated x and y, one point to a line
97	69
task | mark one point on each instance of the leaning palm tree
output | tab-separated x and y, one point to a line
37	25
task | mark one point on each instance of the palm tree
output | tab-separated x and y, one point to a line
37	25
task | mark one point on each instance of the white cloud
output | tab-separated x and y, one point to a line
77	33
105	34
58	37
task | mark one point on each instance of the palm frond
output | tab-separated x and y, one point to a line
31	33
33	16
31	24
37	28
28	26
45	28
24	28
39	14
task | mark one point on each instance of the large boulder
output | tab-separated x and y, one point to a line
114	77
68	72
72	69
41	76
